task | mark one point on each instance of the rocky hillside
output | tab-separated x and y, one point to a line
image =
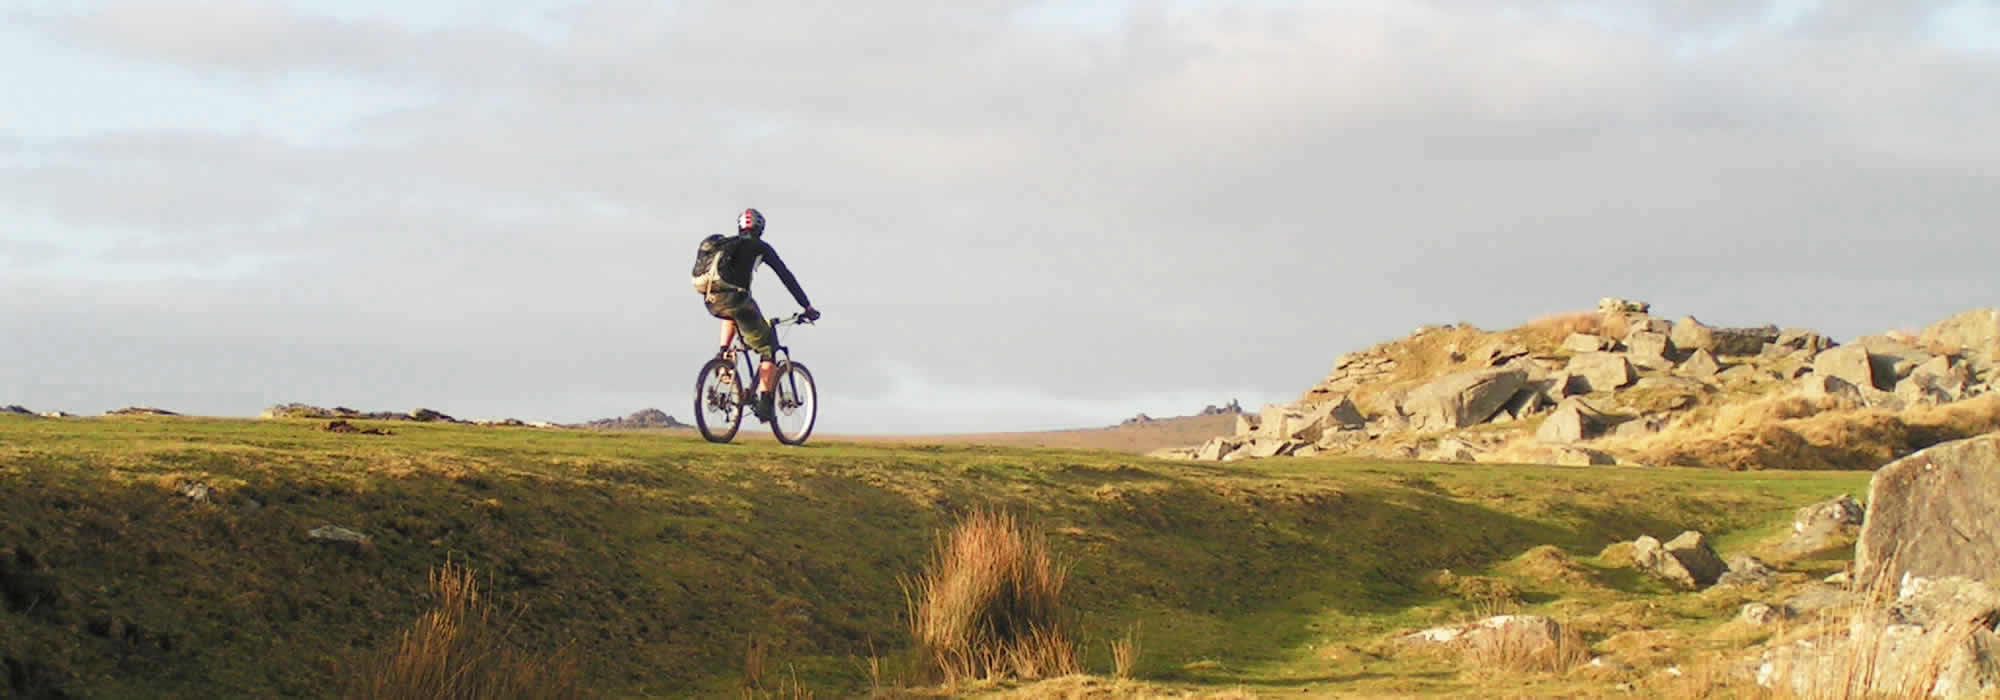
1621	385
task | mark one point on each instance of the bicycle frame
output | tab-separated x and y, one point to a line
747	391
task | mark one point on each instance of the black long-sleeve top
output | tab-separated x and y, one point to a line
743	263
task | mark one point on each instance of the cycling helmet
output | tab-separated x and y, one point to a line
751	220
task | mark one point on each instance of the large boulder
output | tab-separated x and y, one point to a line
1934	513
1585	342
1685	561
1218	447
1649	350
1572	421
1892	359
1814	386
1691	334
1849	363
1462	399
1743	341
1701	364
1599	371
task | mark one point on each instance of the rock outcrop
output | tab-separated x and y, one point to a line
1659	392
639	420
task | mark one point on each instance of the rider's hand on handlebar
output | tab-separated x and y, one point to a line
810	314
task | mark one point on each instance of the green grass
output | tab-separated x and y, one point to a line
660	560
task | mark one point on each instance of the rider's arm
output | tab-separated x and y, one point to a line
791	283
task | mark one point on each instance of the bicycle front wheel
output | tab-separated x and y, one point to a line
794	403
718	401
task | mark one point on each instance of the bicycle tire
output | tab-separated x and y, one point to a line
796	402
718	401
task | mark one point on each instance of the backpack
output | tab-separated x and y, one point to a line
709	259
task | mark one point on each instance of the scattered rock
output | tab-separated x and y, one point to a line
1824	525
194	491
1746	571
1937	637
1686	561
1570	456
16	410
1140	419
425	415
342	426
1533	632
140	411
1762	614
1934	513
335	534
639	420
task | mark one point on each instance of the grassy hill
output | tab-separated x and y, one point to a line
671	567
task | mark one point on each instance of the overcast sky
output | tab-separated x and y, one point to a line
1015	215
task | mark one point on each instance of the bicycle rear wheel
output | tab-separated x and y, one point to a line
794	403
718	401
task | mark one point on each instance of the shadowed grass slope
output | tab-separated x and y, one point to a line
169	557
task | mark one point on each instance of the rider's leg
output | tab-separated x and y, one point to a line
765	368
728	333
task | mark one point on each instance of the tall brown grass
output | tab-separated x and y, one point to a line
460	650
1523	649
988	604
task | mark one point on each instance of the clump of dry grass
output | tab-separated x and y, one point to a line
1526	649
1125	653
1548	332
1550	564
1794	432
988	604
460	650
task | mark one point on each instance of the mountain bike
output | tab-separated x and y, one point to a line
728	386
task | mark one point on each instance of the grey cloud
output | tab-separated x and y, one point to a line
1183	203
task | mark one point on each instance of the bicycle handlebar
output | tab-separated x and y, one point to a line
797	318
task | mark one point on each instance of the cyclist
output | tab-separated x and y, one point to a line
730	300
